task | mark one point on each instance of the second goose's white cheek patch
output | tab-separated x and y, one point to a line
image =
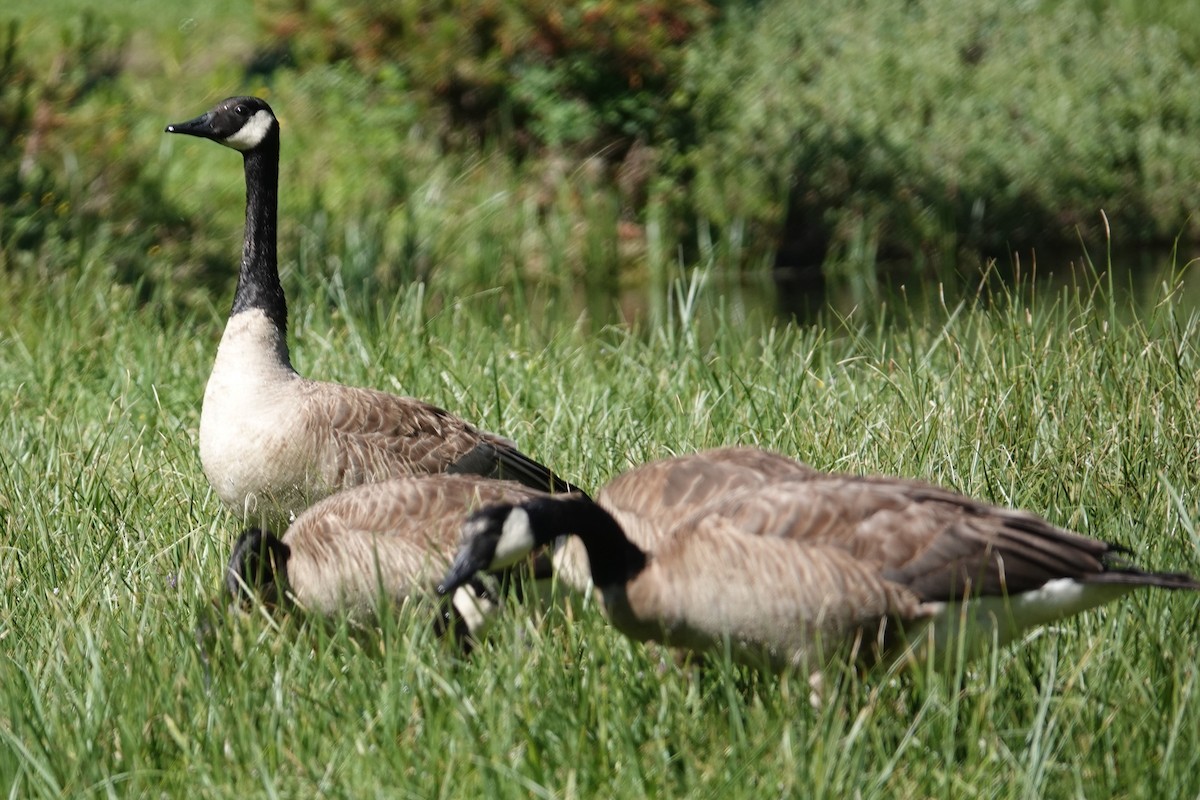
250	135
516	539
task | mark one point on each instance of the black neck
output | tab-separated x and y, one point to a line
258	282
613	559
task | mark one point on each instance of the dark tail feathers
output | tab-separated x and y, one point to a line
510	464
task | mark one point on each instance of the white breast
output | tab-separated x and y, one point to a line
249	421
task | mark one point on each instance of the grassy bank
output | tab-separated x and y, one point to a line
113	546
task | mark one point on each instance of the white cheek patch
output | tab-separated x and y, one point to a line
250	135
516	540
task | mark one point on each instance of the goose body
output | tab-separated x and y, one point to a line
386	540
799	570
272	442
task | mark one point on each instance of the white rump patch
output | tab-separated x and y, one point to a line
1003	619
250	135
516	540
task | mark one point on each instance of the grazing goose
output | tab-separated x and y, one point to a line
801	570
272	442
381	540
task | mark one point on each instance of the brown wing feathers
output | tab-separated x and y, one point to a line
399	533
497	460
987	551
938	544
668	490
373	435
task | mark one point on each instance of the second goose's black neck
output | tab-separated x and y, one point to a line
258	285
612	558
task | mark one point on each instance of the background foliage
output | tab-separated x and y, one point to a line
474	142
934	130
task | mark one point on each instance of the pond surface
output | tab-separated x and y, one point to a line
709	298
1135	284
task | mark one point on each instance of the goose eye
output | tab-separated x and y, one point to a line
240	110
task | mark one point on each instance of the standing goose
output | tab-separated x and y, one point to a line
799	571
271	441
386	540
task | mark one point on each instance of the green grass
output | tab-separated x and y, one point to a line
1064	402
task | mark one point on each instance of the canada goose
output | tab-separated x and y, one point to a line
382	540
272	442
800	570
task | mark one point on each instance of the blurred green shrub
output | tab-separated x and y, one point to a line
70	189
1181	16
933	128
26	193
485	141
922	131
566	73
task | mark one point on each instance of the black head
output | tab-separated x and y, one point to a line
258	564
243	123
492	538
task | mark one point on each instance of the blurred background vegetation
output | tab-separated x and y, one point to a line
538	143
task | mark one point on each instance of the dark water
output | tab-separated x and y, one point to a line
1133	284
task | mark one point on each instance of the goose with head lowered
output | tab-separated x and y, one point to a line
385	541
800	570
271	441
